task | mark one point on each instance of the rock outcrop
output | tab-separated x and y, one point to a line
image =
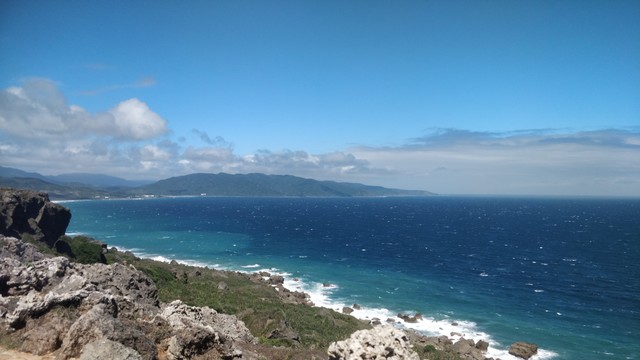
31	212
523	350
54	305
381	342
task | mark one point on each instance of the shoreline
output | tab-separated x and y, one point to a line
319	294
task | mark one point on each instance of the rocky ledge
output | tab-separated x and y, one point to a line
75	310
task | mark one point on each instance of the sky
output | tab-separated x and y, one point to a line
454	97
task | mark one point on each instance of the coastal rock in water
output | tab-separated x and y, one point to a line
410	318
467	349
523	350
31	212
381	342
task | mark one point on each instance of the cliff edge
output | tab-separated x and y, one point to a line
31	212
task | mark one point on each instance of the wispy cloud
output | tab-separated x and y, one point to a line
140	83
533	162
216	141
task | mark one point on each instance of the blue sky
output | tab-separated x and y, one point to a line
480	97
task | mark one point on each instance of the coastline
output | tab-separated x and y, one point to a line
319	294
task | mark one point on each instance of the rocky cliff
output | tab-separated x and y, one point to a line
54	305
30	212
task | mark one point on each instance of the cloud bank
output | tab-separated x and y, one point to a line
40	131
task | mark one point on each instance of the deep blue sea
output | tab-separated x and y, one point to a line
563	273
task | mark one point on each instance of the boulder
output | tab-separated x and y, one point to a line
200	330
523	350
482	345
381	342
410	318
467	349
108	350
181	316
276	280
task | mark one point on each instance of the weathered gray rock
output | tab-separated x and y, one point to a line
108	350
276	280
181	316
53	304
523	350
31	212
44	335
482	345
199	330
410	318
381	342
13	248
102	322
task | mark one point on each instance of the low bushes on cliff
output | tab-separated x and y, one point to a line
268	318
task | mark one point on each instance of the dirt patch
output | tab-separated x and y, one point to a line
16	355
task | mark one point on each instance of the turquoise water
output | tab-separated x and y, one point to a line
561	273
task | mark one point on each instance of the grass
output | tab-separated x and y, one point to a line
305	330
257	305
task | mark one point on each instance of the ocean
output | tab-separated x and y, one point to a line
559	272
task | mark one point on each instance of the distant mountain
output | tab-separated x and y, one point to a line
55	191
263	185
87	186
69	186
8	172
84	179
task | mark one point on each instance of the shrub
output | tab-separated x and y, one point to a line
84	250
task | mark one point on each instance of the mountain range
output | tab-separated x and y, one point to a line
88	186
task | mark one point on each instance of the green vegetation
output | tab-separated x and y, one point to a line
85	250
430	352
257	304
298	330
81	249
41	246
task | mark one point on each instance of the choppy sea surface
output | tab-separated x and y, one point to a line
563	273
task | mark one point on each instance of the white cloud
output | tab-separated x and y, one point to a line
40	131
38	110
134	120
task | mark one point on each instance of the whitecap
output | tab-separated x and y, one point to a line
250	266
